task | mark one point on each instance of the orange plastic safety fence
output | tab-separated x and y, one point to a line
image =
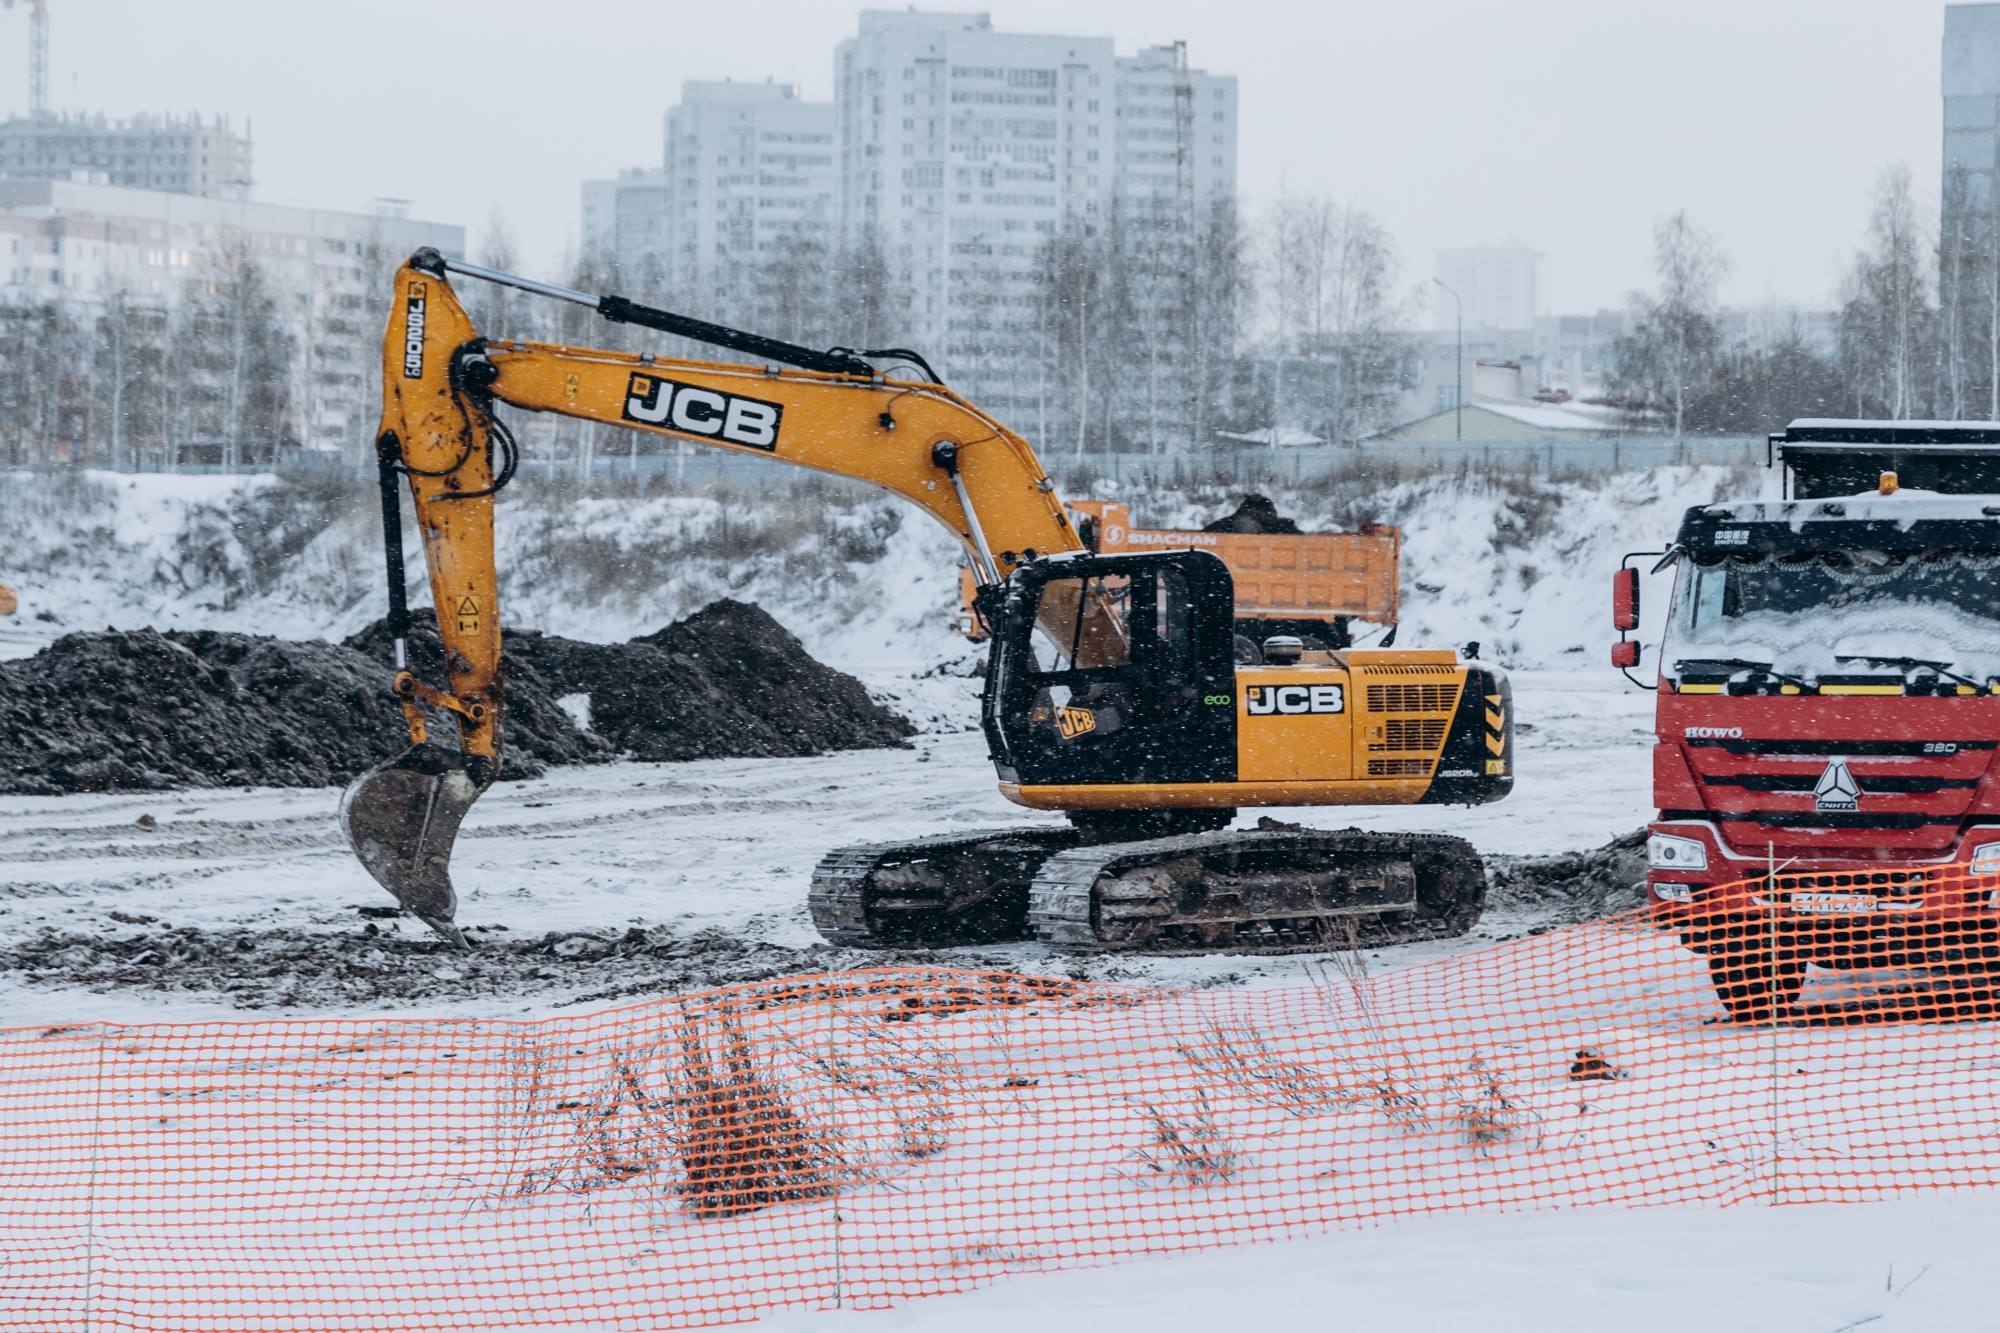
864	1138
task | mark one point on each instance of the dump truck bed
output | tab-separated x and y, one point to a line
1279	576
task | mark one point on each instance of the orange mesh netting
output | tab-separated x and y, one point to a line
868	1137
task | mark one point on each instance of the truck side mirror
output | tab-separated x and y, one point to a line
1625	599
1625	653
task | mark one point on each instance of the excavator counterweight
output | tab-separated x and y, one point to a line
1117	690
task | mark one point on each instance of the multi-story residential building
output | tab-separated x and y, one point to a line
1499	287
1969	212
1971	87
748	168
625	220
1176	133
963	151
79	248
145	153
953	154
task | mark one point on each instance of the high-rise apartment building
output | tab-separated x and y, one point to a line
144	153
1969	210
1499	287
962	152
1176	132
626	220
749	167
1971	87
746	168
952	153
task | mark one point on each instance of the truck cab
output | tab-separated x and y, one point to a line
1829	702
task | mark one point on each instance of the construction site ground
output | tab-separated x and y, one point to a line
599	884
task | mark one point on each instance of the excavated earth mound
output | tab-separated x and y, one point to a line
1571	887
138	709
392	958
380	954
727	682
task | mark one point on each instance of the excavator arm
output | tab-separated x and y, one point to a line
441	436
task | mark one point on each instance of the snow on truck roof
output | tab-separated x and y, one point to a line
1904	507
1906	520
1822	432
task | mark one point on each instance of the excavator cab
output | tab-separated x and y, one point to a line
1115	670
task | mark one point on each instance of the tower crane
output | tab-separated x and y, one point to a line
38	55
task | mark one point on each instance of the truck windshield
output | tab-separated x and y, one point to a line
1801	611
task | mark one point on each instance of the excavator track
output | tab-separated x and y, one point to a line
1259	892
935	892
1269	891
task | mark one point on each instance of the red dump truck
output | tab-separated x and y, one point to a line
1829	724
1309	584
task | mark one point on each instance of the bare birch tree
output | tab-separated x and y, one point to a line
1331	271
1674	340
1887	319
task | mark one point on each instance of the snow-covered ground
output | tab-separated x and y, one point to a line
1909	1266
701	868
720	846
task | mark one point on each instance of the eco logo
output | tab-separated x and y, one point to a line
1074	722
1837	790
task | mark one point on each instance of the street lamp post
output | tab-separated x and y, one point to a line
1458	403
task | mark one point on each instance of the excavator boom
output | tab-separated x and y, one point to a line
440	436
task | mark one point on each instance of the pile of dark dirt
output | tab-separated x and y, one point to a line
384	957
727	681
1575	886
1257	515
204	708
142	710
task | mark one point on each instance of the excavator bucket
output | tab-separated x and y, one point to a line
401	818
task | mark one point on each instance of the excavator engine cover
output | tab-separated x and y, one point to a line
401	818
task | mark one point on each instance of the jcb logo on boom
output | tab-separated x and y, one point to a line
698	411
413	332
1263	699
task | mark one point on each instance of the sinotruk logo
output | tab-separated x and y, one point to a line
1837	791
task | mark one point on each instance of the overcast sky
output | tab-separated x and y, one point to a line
1572	125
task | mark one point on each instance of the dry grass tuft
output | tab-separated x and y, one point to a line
1185	1148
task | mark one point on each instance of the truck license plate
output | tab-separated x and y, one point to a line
1848	903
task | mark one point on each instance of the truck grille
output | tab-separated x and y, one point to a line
1819	749
1399	768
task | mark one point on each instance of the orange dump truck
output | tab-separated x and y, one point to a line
1311	584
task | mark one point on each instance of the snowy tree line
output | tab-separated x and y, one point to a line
217	375
1149	330
1916	330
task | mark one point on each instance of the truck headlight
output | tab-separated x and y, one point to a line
1985	859
1669	853
1673	893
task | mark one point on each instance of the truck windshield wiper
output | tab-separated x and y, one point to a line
1910	663
1738	664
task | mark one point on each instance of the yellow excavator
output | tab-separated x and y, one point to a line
1116	690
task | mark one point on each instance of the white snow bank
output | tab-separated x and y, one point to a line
1903	1267
1521	564
1518	563
541	1174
